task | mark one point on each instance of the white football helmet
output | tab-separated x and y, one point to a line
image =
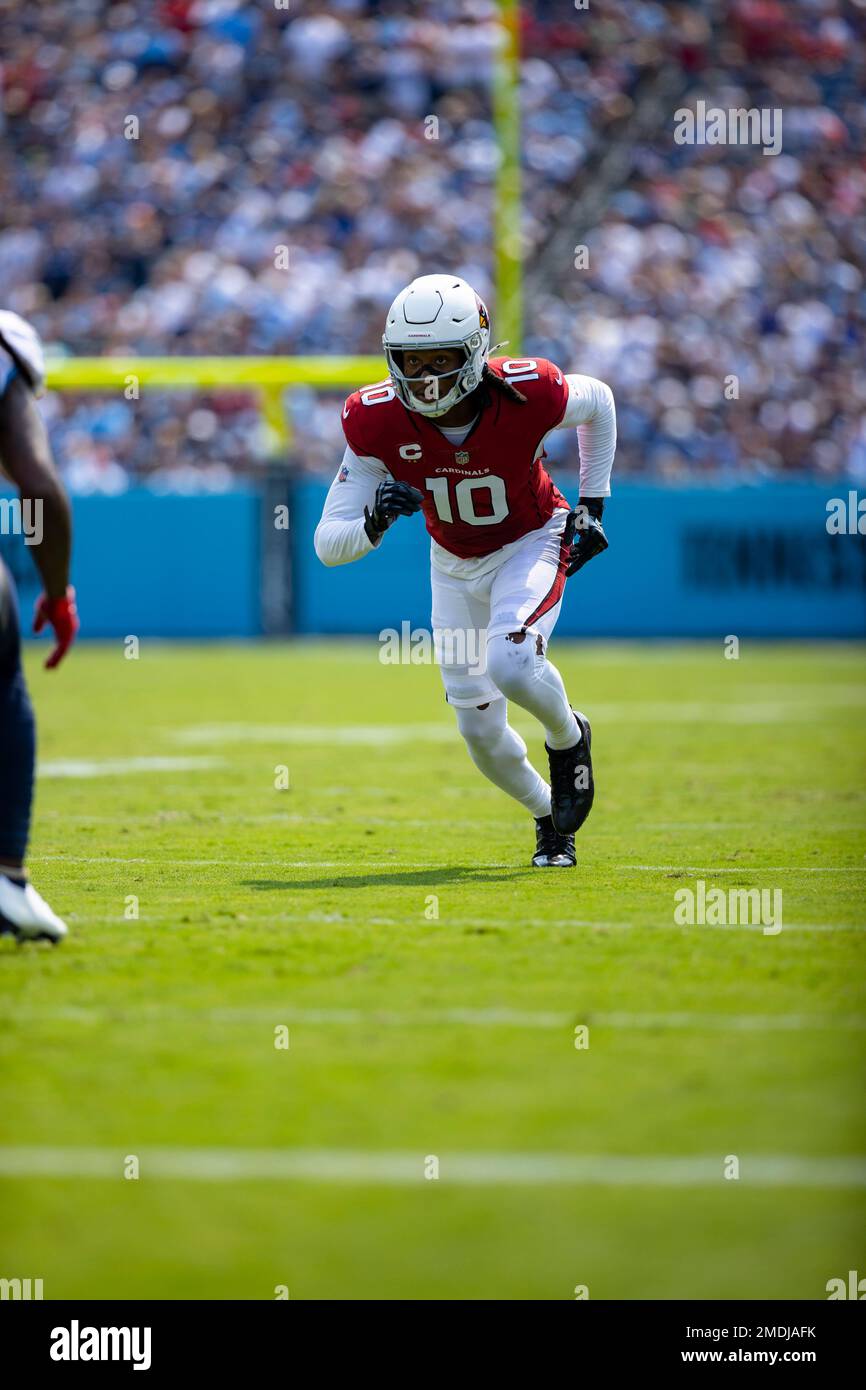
437	311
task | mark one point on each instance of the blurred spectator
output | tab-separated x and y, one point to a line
156	156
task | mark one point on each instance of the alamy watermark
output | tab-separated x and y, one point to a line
854	1287
77	1343
736	126
22	518
21	1289
444	646
846	516
715	907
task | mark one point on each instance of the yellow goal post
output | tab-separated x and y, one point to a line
269	376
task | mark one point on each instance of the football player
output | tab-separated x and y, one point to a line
460	435
25	456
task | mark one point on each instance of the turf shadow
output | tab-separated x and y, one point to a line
405	878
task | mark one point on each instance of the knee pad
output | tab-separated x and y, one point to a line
481	727
487	735
10	633
513	666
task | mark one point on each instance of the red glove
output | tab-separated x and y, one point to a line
62	614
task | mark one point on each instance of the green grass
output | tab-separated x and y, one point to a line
306	907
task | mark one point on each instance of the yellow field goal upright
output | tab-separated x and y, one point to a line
269	376
272	376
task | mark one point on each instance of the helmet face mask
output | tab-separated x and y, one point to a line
437	311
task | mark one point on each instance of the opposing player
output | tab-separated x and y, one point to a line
461	435
25	456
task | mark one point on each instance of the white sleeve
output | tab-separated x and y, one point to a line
590	407
340	536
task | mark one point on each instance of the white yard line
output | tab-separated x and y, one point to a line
246	917
652	827
279	1013
748	1023
116	767
170	819
343	735
747	869
407	1168
441	864
158	819
284	865
756	711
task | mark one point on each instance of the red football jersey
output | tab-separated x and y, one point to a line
491	489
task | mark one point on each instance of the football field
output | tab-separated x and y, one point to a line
319	1028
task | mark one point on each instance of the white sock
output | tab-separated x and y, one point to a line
565	735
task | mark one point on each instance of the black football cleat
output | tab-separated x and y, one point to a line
571	784
552	850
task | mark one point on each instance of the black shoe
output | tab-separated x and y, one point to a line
571	786
552	850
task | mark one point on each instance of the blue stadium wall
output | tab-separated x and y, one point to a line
155	565
683	562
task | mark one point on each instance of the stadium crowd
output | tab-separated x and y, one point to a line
156	157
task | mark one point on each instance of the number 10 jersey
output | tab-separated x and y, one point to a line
492	488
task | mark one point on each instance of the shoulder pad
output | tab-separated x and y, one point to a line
369	414
542	383
21	341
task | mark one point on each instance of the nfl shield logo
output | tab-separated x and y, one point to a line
461	458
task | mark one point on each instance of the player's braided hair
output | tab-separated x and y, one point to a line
501	384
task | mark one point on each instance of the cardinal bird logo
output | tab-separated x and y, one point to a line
483	317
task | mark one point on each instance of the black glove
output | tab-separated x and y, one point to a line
585	519
393	499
